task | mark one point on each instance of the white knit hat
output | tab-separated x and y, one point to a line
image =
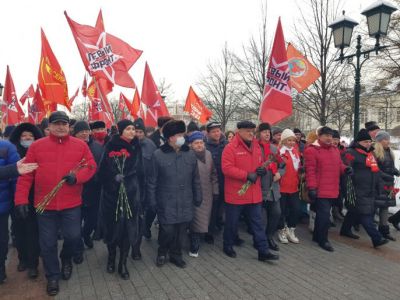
287	133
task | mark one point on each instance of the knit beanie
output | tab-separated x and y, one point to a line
287	133
363	135
123	124
382	135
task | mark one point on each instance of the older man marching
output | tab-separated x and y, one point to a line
60	157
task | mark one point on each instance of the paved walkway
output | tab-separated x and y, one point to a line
354	271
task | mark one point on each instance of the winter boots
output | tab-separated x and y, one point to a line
384	230
112	253
395	220
122	269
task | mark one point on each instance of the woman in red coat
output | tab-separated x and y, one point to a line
290	202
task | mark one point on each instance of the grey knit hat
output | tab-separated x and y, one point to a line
382	135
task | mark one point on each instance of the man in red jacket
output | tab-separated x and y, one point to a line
323	169
58	156
241	162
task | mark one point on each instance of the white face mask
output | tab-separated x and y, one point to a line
26	144
180	141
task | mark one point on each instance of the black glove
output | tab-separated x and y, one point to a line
261	171
70	179
349	171
22	211
396	172
252	177
119	178
312	194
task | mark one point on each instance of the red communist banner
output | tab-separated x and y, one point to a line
196	108
11	109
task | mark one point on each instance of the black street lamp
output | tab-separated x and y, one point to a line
378	18
1	89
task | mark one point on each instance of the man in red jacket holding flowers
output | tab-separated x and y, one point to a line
242	164
65	163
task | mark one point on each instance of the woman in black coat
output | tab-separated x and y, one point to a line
366	181
26	229
121	227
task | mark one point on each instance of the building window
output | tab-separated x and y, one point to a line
363	116
381	115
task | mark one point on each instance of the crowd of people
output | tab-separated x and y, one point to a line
78	182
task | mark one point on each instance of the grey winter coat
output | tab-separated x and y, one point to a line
174	184
209	189
270	189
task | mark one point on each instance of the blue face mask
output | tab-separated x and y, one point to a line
26	144
180	141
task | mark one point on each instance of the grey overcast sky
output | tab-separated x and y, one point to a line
178	37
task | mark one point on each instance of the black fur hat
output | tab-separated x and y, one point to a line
173	127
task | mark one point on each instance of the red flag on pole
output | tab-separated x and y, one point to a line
128	105
121	106
136	110
30	93
104	55
36	110
152	98
100	107
52	82
302	72
84	87
277	103
196	108
11	109
100	22
71	100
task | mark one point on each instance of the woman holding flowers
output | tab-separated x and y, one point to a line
121	174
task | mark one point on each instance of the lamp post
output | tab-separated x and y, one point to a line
378	18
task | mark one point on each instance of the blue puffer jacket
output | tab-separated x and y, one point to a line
8	156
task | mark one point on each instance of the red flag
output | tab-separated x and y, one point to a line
100	107
11	109
136	106
100	22
30	92
128	105
51	77
196	108
71	100
302	72
121	106
104	55
36	110
84	87
277	103
152	98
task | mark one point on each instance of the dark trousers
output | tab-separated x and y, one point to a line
273	211
216	214
367	221
170	238
89	218
3	237
136	246
322	219
254	215
149	216
195	239
27	239
69	221
290	208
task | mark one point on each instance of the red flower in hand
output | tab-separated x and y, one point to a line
125	153
349	157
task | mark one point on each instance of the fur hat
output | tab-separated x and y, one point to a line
245	124
382	135
371	125
296	130
287	133
325	130
123	124
81	126
139	124
264	126
162	120
173	127
363	135
97	125
17	132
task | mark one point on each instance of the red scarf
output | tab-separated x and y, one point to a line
370	162
273	167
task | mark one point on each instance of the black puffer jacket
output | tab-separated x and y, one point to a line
387	168
367	184
92	189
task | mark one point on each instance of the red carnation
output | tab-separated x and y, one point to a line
349	157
